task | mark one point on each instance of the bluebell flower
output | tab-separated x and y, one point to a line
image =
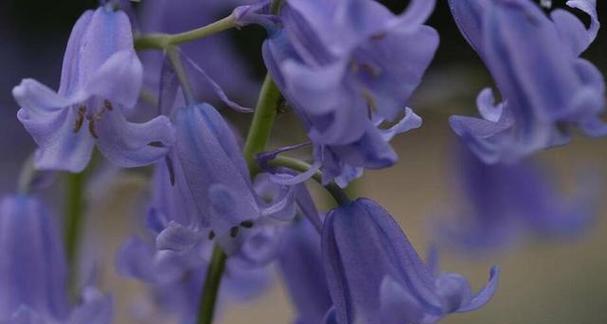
203	195
100	84
33	275
534	60
348	67
215	172
301	266
503	201
376	276
172	259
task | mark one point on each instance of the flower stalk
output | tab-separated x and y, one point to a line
73	225
263	120
338	194
164	41
211	286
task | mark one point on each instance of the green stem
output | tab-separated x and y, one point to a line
164	41
211	286
74	221
26	176
276	6
173	54
263	120
340	196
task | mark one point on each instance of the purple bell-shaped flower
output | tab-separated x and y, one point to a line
100	84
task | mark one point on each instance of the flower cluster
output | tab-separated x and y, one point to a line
221	212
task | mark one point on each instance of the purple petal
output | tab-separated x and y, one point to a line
218	179
26	315
484	295
410	121
257	13
105	33
50	121
95	309
134	259
397	305
589	7
289	179
26	219
118	80
178	238
485	102
301	266
361	245
129	144
468	15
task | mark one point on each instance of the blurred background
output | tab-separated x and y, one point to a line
544	280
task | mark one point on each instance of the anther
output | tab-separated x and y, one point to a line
372	70
79	119
156	144
211	235
234	231
92	129
171	169
107	105
378	36
371	102
247	224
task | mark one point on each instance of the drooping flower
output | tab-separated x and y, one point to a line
348	67
172	259
33	276
534	60
215	172
302	269
503	201
376	276
100	84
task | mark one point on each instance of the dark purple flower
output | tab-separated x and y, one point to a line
100	84
533	58
376	276
348	67
504	200
33	270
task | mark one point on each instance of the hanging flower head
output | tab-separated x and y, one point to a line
33	270
534	59
100	84
376	276
347	67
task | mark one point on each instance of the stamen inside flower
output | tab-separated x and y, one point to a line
378	36
92	118
247	224
371	102
79	118
234	231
